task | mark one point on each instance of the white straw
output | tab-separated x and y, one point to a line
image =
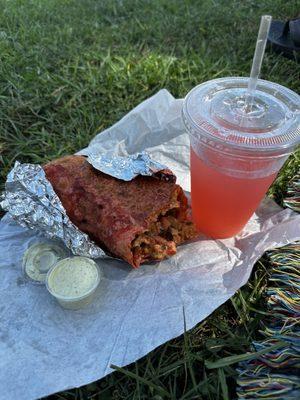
262	37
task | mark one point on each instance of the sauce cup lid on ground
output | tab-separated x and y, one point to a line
39	259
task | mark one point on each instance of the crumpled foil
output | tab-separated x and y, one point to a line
127	168
31	201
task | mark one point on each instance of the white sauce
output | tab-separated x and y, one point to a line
73	277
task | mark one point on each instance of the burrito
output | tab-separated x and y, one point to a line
138	221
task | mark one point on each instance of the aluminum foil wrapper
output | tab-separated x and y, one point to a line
31	201
127	168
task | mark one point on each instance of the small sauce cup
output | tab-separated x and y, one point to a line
73	282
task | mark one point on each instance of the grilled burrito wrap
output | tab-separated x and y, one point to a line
140	220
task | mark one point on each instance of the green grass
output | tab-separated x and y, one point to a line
69	69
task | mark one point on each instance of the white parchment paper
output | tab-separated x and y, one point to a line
45	349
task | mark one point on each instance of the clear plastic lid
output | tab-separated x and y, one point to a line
40	258
216	109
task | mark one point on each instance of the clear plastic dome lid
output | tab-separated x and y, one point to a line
40	258
217	110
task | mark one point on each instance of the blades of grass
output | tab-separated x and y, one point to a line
161	357
184	358
241	357
174	385
101	392
132	375
192	391
239	312
257	311
221	342
187	351
137	390
172	367
222	326
224	387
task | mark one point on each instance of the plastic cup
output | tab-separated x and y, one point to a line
235	154
73	282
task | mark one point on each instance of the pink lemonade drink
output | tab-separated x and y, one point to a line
236	198
236	155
